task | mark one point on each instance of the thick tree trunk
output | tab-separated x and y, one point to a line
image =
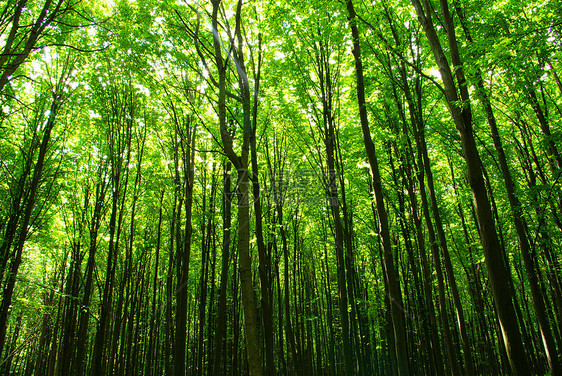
251	321
520	226
264	256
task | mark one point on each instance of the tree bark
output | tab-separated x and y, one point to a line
251	321
517	216
183	246
462	117
151	354
119	121
28	206
220	334
392	276
89	274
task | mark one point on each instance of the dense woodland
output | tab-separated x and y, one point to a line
281	187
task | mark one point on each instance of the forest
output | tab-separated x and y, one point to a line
245	187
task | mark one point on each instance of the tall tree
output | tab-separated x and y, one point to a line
120	118
25	201
392	277
455	90
518	220
240	162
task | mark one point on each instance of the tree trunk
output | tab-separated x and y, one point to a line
462	117
120	121
89	275
220	334
151	353
183	243
518	219
251	321
26	219
329	137
264	256
392	276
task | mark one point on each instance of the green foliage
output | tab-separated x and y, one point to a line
142	74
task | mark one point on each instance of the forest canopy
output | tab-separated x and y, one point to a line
281	187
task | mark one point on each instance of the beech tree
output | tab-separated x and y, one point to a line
280	188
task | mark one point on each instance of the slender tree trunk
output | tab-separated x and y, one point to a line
275	165
8	291
287	305
183	243
234	353
12	56
220	334
212	312
17	207
429	319
120	121
350	273
392	276
169	319
329	315
334	205
151	354
554	158
66	350
89	275
428	309
518	219
98	366
462	117
251	321
205	261
465	341
410	269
